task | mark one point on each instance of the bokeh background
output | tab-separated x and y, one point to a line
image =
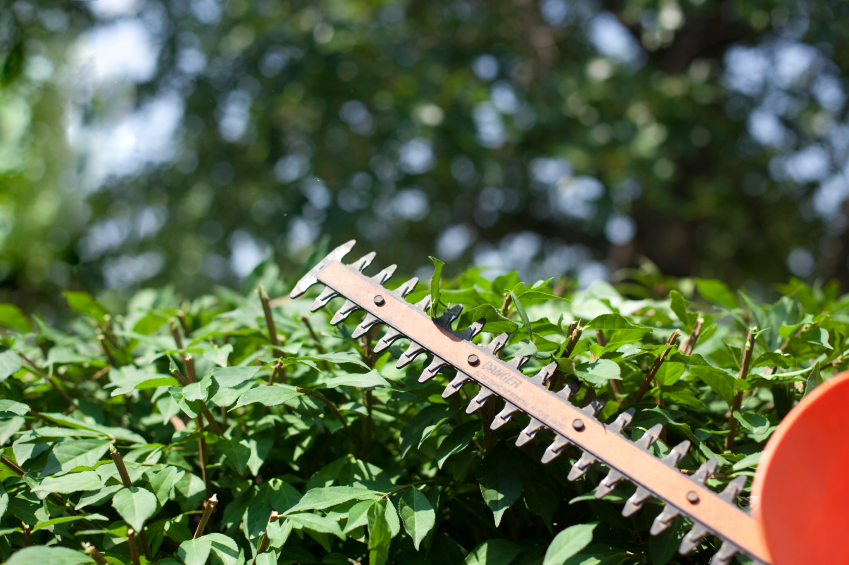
183	142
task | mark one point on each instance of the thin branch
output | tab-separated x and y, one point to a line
688	346
644	387
100	373
208	509
322	398
368	422
92	552
505	306
269	320
263	543
134	550
104	344
318	345
203	456
191	374
745	362
122	469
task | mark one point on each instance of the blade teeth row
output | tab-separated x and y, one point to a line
431	370
478	401
570	390
544	374
726	553
663	520
555	449
692	539
473	330
650	437
504	416
581	466
635	503
596	405
410	355
310	278
406	288
363	262
677	454
497	343
368	323
323	299
449	316
706	471
622	420
455	385
518	362
387	340
346	310
608	483
732	489
529	432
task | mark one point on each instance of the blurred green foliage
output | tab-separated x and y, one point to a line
184	140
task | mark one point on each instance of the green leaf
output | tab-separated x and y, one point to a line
162	483
73	482
358	515
417	515
224	550
434	286
380	534
568	543
48	556
9	407
268	395
522	314
679	306
494	552
755	423
336	357
67	455
500	482
459	438
10	363
65	519
664	546
716	291
612	322
237	451
773	359
195	551
135	505
669	373
143	382
4	500
231	377
316	523
369	380
84	303
598	371
12	317
97	497
719	381
422	425
495	322
218	355
321	498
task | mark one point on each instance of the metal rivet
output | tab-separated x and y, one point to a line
379	300
578	424
473	360
693	496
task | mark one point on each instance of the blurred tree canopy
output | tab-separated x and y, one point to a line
185	141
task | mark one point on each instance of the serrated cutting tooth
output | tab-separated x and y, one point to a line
504	416
449	316
622	420
529	432
692	539
581	466
663	520
368	322
544	374
326	296
435	366
346	310
608	483
406	288
472	330
732	489
555	449
706	471
726	553
588	397
455	385
387	340
518	362
479	400
422	304
570	390
310	278
596	405
497	343
650	437
676	454
363	262
636	501
410	355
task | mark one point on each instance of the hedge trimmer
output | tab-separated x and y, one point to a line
807	458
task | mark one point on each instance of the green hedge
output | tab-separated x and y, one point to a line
362	463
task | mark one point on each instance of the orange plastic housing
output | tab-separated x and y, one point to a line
801	490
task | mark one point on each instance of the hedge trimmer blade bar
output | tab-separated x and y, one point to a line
682	495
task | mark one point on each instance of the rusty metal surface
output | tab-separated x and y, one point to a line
712	513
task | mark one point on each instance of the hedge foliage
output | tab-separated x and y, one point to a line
205	431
